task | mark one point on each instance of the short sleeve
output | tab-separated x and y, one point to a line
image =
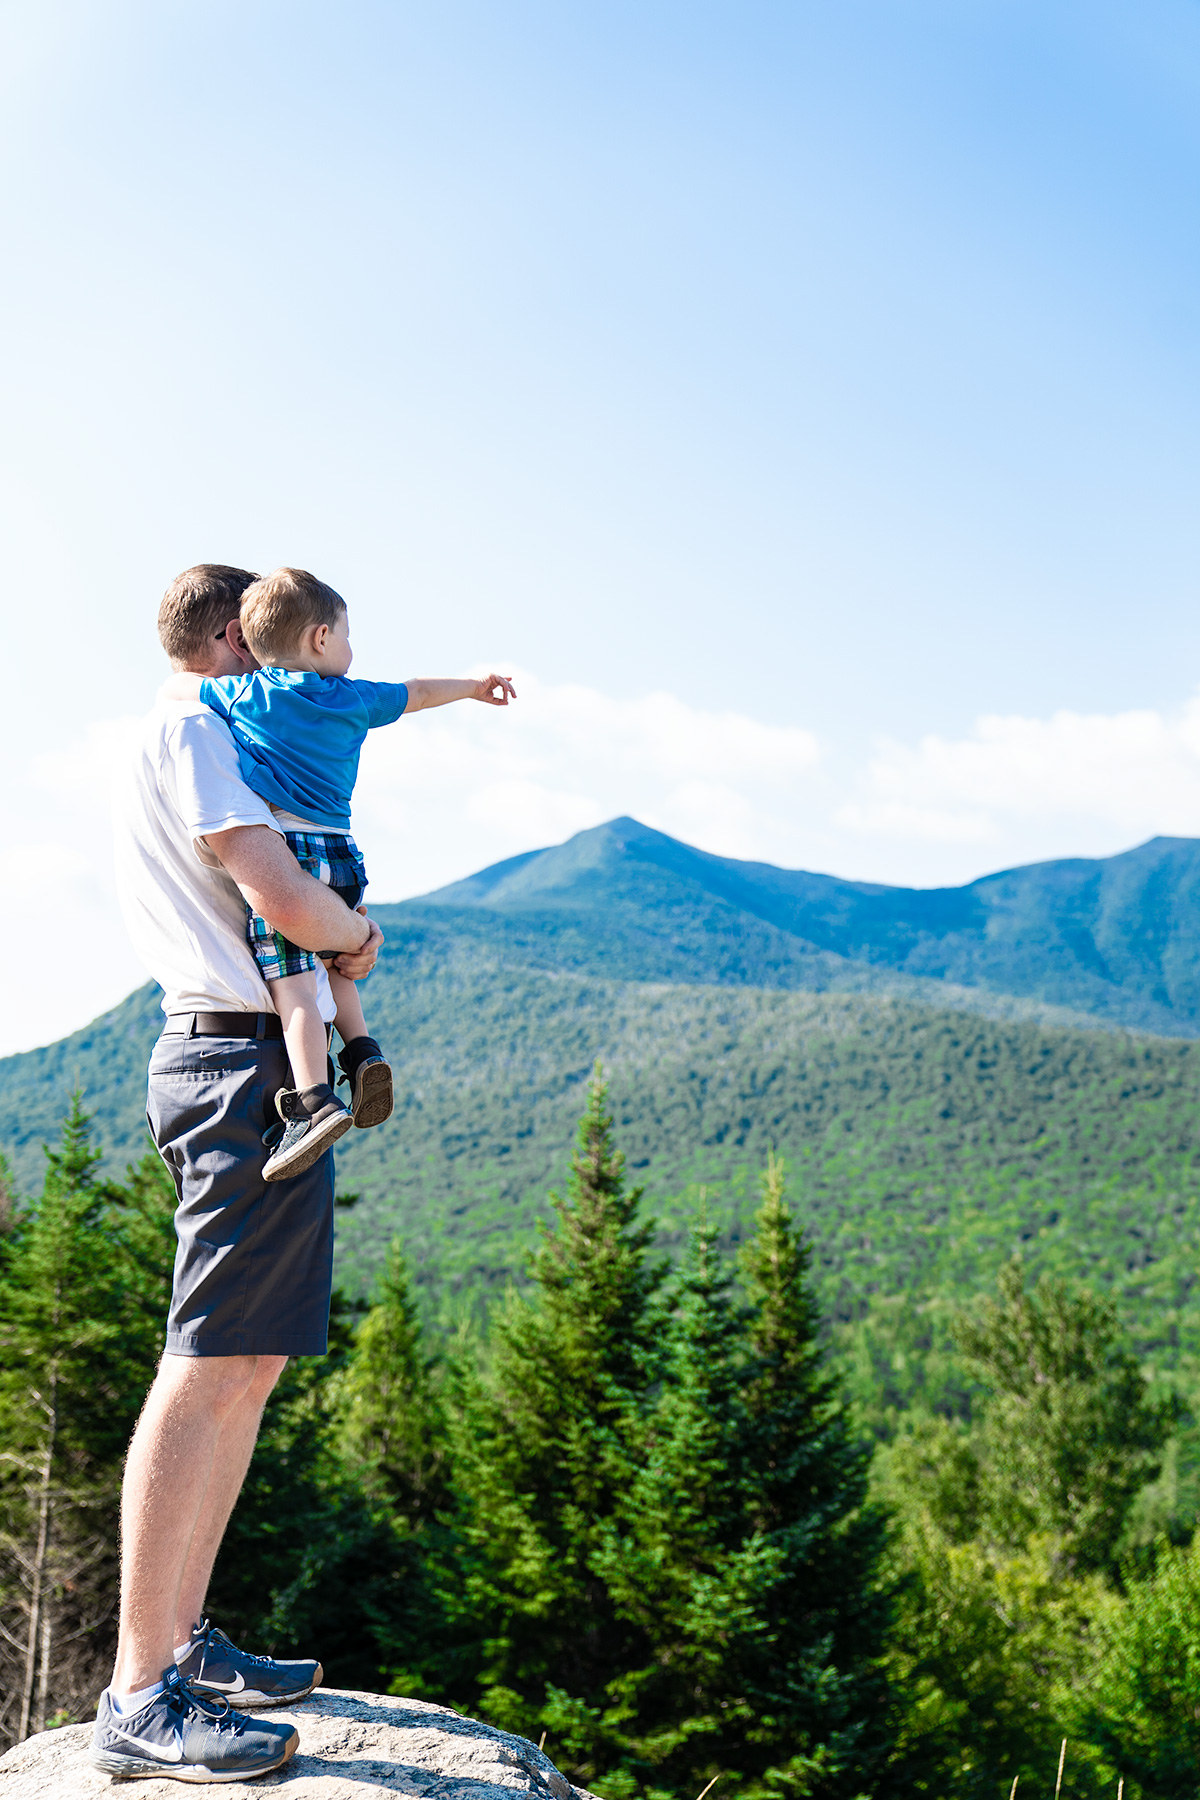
385	701
221	694
209	791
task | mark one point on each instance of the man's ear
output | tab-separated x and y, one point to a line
235	637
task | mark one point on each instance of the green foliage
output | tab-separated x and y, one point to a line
635	1513
546	1440
1070	1434
391	1432
666	1511
81	1278
1139	1707
931	1143
1009	1522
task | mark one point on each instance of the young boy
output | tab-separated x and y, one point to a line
299	724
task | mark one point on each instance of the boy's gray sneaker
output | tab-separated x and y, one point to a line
215	1666
186	1736
313	1120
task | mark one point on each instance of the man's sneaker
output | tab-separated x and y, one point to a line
370	1077
313	1119
215	1666
187	1736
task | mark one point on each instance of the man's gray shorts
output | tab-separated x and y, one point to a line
254	1266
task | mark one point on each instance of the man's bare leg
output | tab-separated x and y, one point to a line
171	1462
235	1447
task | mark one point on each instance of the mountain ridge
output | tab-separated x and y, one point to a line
1116	939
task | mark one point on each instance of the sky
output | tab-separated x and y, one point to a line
799	399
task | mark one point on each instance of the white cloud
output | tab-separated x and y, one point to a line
1132	773
446	792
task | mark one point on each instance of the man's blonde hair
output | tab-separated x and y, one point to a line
196	608
279	608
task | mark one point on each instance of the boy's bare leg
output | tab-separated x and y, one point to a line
234	1450
350	1020
304	1032
176	1452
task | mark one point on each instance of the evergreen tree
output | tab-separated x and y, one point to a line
546	1441
806	1475
81	1270
746	1554
390	1426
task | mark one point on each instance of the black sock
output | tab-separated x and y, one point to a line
355	1053
312	1099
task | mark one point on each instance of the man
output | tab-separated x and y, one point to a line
254	1261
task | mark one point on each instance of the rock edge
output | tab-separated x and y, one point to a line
353	1746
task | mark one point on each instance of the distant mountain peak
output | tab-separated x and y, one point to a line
1115	937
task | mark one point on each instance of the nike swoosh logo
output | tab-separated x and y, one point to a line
171	1753
226	1687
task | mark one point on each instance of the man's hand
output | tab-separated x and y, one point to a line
356	965
277	888
485	690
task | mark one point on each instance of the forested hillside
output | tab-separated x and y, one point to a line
925	1142
630	1514
473	1467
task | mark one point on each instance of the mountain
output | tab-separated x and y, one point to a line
1116	938
933	1124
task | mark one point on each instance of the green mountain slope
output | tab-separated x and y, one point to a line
928	1140
1117	937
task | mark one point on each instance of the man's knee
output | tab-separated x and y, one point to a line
269	1369
220	1384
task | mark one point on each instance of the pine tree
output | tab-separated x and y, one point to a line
81	1269
806	1472
390	1428
746	1554
546	1442
678	1560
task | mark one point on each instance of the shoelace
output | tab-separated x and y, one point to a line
183	1698
217	1636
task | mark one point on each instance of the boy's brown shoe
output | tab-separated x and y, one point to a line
369	1075
313	1120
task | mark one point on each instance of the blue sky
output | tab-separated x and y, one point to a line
828	371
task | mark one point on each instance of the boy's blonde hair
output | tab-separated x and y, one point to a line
280	607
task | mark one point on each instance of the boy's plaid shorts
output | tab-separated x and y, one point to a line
332	858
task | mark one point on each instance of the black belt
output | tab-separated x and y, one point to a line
223	1025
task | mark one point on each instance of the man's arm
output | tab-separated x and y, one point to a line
424	692
274	884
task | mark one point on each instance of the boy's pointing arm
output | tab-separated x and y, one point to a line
423	691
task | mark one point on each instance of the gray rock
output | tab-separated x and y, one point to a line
352	1747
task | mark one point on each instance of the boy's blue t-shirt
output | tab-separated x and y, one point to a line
299	734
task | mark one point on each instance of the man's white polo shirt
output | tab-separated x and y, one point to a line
185	915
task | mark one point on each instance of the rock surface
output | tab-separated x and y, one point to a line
352	1747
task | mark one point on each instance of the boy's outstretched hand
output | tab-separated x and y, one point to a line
493	690
486	690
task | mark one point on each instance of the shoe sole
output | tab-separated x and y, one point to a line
373	1097
309	1149
133	1768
